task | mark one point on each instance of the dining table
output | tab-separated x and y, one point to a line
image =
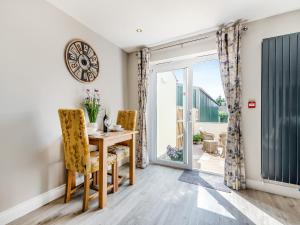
103	141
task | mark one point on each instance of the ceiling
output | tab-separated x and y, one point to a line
164	20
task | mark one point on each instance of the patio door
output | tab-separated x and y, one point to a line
170	107
171	114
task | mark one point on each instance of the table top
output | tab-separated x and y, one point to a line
111	135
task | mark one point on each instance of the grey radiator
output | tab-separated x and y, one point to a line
281	108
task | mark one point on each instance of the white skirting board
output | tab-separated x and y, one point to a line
288	190
31	204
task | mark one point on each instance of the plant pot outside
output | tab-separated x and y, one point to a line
224	119
178	158
196	142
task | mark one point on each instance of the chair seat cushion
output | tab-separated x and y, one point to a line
111	159
121	151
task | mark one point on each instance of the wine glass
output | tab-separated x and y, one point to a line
107	123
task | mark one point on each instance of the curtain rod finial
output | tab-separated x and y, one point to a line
245	28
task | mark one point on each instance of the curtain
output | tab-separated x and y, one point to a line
142	158
229	47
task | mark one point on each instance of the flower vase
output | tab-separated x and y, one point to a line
92	128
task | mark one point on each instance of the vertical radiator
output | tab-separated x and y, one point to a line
280	159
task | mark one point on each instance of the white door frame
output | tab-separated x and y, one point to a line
152	116
153	125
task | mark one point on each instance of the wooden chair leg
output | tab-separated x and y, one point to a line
115	174
69	176
94	176
73	183
97	176
86	193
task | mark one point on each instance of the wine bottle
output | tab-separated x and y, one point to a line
104	127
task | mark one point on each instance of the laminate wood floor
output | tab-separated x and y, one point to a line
158	198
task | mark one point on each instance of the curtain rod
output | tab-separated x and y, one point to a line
245	28
181	43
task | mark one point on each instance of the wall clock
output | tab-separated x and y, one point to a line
82	61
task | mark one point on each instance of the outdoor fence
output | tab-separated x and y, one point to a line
207	107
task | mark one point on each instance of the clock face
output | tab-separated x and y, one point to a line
82	61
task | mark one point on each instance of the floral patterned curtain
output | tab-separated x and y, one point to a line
143	74
229	47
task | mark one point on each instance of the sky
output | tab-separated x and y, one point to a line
207	76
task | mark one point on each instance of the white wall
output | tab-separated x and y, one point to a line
166	112
251	83
210	127
190	48
34	84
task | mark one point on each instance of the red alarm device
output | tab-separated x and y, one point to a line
251	104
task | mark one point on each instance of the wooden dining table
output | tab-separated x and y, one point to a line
103	141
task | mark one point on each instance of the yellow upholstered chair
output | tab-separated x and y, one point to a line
77	155
127	119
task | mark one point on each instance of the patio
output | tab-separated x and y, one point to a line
206	161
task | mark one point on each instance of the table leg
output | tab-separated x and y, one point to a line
102	175
132	160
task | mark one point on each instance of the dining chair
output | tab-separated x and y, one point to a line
127	119
78	158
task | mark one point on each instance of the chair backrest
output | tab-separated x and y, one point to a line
207	136
127	119
76	145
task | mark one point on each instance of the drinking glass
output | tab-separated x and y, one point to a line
107	123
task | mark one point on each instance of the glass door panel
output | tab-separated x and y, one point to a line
171	113
208	104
